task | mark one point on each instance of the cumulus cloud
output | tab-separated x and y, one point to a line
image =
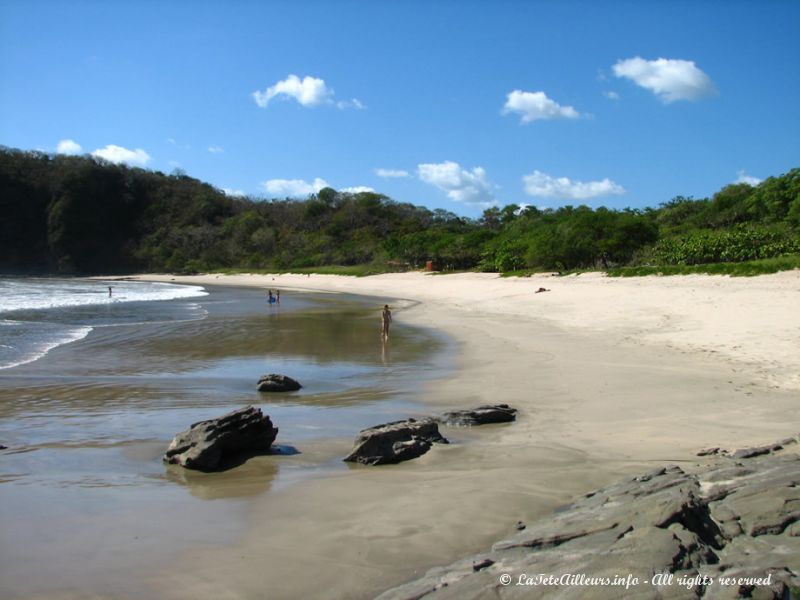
216	149
542	185
68	147
293	188
534	106
748	179
611	95
461	185
357	189
669	79
231	192
308	91
118	154
391	173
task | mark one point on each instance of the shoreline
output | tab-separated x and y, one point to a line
599	398
750	321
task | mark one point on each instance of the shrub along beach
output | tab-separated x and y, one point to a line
74	214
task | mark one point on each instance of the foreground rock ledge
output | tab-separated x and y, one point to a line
395	442
737	519
209	445
277	383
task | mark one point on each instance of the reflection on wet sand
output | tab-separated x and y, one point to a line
250	477
88	508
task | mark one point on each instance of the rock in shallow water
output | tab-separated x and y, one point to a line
277	383
395	442
207	444
483	415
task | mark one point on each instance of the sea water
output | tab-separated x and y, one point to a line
94	388
38	315
84	370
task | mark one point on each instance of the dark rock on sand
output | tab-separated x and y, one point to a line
3	447
207	445
736	519
395	442
277	383
496	413
752	451
760	450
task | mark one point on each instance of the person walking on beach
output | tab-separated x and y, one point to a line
386	319
278	296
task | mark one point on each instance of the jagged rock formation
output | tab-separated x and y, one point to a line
206	445
731	530
496	413
395	442
277	383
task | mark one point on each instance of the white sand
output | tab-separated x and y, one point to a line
611	377
753	322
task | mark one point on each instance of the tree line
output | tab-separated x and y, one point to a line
81	214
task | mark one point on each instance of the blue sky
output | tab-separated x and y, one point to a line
453	105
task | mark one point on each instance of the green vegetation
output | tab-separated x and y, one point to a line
68	214
352	270
742	269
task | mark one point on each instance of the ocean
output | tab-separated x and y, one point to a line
38	315
93	388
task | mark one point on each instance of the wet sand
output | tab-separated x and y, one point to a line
627	391
88	509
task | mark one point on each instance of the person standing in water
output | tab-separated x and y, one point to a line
386	319
109	291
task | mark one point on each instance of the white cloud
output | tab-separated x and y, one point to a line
68	147
748	179
118	154
611	95
391	173
541	185
468	187
309	91
534	106
230	192
293	188
523	207
216	149
669	79
352	103
357	189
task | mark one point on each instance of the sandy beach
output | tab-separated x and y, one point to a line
611	376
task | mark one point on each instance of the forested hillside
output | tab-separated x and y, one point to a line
69	214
